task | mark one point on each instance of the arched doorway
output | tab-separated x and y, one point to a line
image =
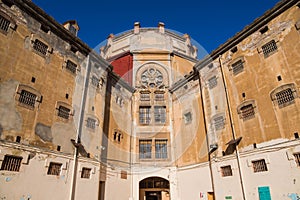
154	188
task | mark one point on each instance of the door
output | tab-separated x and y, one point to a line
264	193
210	196
153	195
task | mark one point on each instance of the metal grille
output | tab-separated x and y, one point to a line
27	98
297	158
64	112
259	166
91	123
86	172
11	163
285	97
237	67
226	171
219	123
40	47
4	24
247	112
161	149
145	149
54	169
145	96
160	114
159	97
71	66
95	81
269	48
145	115
212	82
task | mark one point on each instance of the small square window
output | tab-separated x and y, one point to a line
123	174
54	169
11	163
297	159
71	66
226	171
259	166
187	117
237	67
27	98
219	122
269	48
247	112
91	123
63	112
86	172
145	96
212	82
40	47
4	24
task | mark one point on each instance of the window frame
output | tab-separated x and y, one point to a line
161	152
11	26
146	154
245	115
7	164
64	105
226	171
38	97
83	174
53	171
260	168
280	89
265	50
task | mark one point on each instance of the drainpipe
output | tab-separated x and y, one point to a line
207	142
79	130
232	129
130	148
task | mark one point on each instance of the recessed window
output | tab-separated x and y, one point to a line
145	114
86	172
187	117
269	48
226	171
237	67
284	95
54	169
259	166
159	96
11	163
64	112
145	149
297	159
4	24
219	122
123	174
145	96
160	114
247	111
91	123
40	47
71	66
27	98
161	149
212	82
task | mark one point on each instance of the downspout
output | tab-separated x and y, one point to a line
130	148
232	129
207	141
79	130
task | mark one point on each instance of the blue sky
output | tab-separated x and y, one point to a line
210	23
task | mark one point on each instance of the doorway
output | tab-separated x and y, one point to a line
154	188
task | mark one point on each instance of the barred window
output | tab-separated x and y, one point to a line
237	67
161	149
4	24
91	123
54	169
160	114
71	66
269	48
145	96
247	112
40	47
159	96
259	166
219	122
212	82
27	98
86	172
11	163
297	159
145	149
64	112
145	115
285	97
95	81
226	171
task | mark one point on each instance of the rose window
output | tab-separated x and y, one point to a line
152	78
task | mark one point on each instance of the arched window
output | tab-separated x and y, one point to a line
284	95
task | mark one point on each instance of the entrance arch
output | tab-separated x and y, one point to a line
154	188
